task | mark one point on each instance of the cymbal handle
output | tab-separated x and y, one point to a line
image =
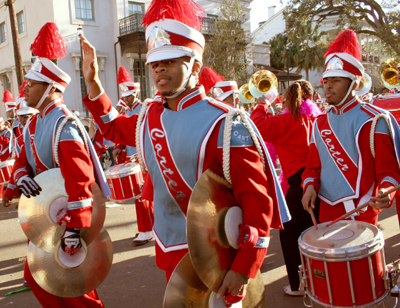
232	299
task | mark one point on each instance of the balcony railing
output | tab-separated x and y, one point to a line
133	23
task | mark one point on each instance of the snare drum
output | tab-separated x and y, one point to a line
344	265
125	181
6	168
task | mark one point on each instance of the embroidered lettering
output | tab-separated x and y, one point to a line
334	153
241	137
159	134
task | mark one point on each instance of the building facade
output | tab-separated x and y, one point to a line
371	47
112	26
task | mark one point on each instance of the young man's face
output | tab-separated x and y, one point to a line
24	118
34	92
169	75
131	99
10	114
335	89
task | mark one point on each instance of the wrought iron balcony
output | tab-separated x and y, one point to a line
133	24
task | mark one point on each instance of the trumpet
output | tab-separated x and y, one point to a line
388	73
245	96
261	82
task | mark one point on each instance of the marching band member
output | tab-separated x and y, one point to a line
9	101
352	157
46	83
180	138
17	127
24	113
6	136
144	208
290	132
225	91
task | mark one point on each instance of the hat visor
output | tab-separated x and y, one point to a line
34	77
25	111
338	73
9	109
166	54
127	93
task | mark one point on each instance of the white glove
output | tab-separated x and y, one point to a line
28	186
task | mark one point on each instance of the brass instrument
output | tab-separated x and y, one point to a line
365	85
245	96
261	82
388	73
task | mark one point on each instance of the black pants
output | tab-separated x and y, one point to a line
301	220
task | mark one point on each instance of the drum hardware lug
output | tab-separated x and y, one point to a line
392	280
303	277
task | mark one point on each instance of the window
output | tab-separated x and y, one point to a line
3	33
140	69
5	83
135	8
84	9
21	22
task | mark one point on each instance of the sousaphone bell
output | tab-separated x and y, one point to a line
388	73
365	85
261	82
245	96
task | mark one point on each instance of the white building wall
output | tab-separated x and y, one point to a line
103	33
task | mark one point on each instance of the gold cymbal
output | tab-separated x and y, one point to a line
185	289
70	276
208	246
37	214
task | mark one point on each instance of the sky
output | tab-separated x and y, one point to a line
259	11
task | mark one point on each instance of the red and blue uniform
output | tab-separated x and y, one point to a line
176	159
341	165
77	168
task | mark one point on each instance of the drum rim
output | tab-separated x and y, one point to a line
368	248
136	169
375	302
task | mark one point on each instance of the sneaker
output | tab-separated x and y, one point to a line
288	290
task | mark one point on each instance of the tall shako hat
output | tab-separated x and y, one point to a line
214	83
342	59
125	82
24	109
48	46
172	32
21	96
8	100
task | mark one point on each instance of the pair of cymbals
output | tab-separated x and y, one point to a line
64	275
186	289
37	215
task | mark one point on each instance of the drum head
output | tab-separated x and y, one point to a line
123	170
345	237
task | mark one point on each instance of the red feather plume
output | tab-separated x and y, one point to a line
123	75
49	43
186	11
346	42
209	77
7	98
21	88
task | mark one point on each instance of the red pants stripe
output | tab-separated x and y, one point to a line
144	215
47	300
168	261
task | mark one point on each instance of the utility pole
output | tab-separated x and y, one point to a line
16	45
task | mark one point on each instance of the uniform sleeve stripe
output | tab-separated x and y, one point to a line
112	115
307	180
390	180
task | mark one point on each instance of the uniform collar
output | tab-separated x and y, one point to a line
198	93
51	106
135	105
346	107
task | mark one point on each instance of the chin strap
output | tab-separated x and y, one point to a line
348	93
44	96
189	73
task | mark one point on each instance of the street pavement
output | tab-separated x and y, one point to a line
134	279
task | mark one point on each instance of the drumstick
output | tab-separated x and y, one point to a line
361	207
314	220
